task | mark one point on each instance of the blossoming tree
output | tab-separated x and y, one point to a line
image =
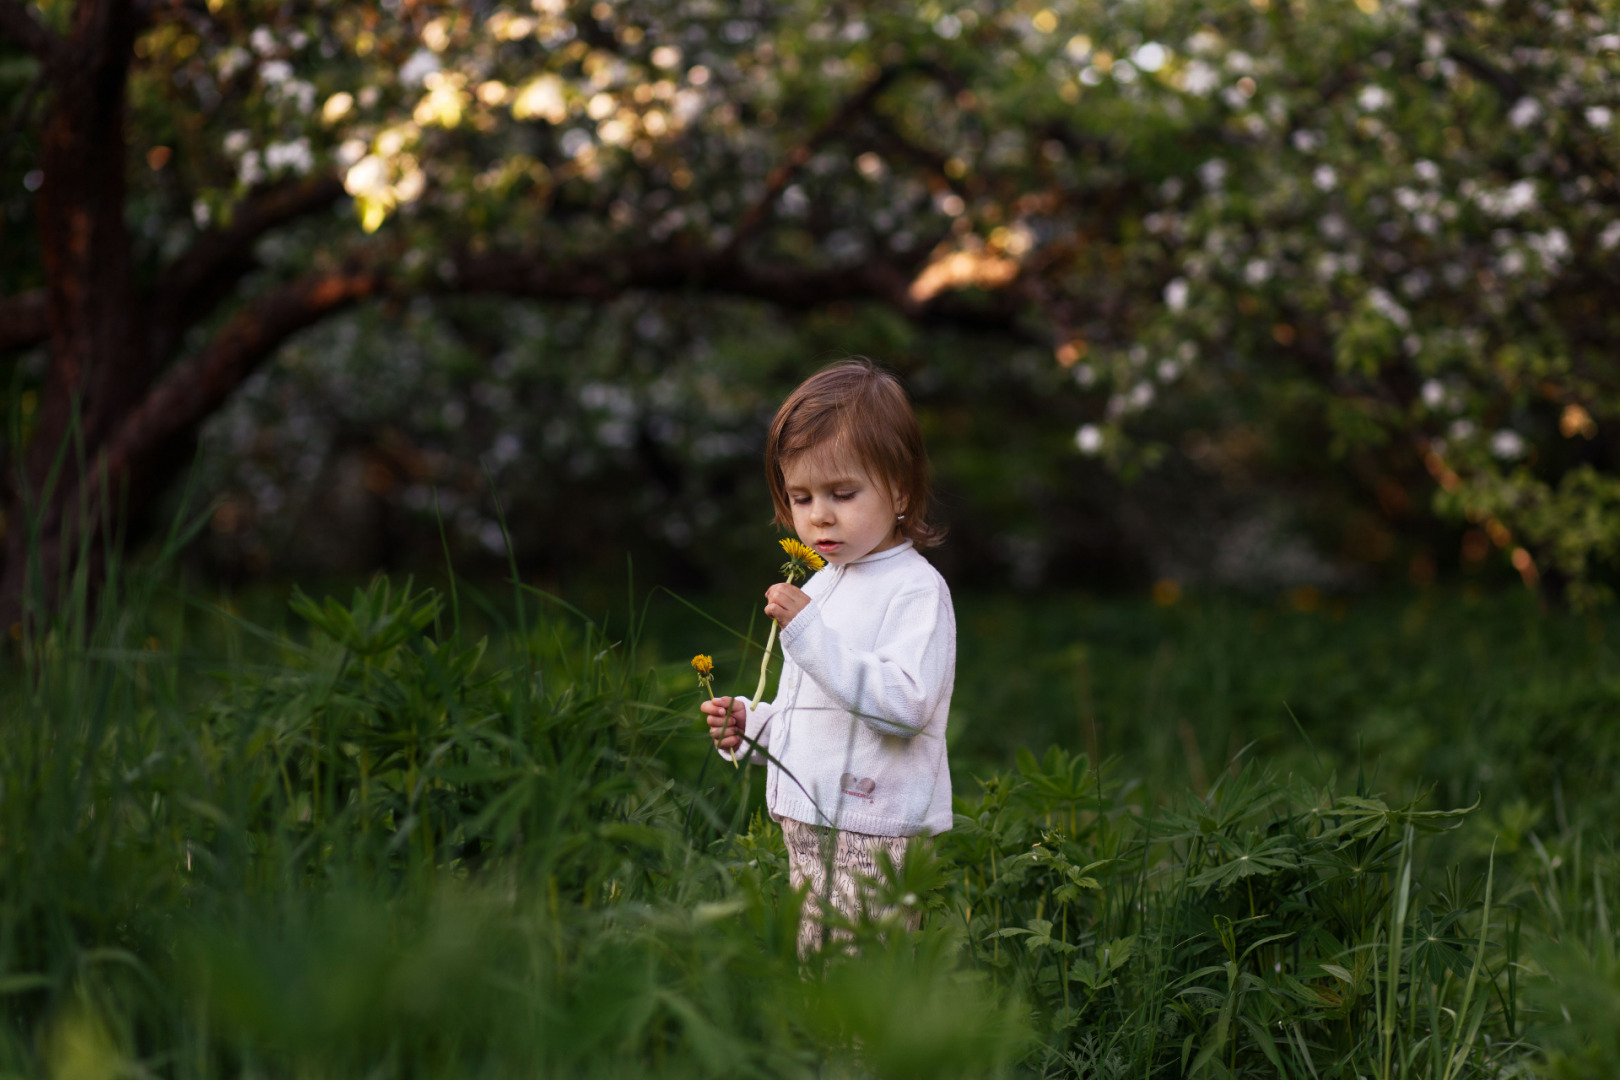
1382	226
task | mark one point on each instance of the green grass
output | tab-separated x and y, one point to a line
400	836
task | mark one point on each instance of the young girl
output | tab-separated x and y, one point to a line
856	736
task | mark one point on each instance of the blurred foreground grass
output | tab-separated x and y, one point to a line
397	835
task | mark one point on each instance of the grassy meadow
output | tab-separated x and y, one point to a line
398	832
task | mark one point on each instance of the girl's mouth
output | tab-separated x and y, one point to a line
828	545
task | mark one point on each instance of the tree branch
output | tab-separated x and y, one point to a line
222	256
23	26
1509	88
676	270
878	280
192	390
23	323
189	392
800	155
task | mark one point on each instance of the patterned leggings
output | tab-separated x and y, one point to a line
854	861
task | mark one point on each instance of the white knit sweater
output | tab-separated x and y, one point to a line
856	735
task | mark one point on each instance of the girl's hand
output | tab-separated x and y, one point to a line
783	601
726	717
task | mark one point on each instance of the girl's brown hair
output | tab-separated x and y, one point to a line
858	407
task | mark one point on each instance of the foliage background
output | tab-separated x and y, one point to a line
1277	294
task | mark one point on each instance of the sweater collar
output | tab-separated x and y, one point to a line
901	547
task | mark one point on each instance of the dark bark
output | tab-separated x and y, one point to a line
93	324
191	391
210	271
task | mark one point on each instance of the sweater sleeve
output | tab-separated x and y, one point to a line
895	687
756	726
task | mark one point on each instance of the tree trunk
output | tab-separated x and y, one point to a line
99	361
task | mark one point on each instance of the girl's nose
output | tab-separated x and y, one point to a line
821	512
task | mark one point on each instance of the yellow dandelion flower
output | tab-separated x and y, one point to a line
704	666
802	561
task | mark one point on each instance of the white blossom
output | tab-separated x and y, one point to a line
418	67
1387	306
1325	178
1552	247
1089	439
337	107
1151	56
1507	202
575	142
275	72
1212	173
1507	445
231	59
294	155
249	170
795	203
1525	111
1175	295
299	93
1199	78
541	98
368	176
1373	98
350	152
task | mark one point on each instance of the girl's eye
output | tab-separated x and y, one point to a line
844	495
801	500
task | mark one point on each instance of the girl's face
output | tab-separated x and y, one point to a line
838	510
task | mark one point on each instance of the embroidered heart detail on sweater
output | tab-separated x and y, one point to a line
860	787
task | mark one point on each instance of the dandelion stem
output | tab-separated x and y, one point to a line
708	685
765	663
